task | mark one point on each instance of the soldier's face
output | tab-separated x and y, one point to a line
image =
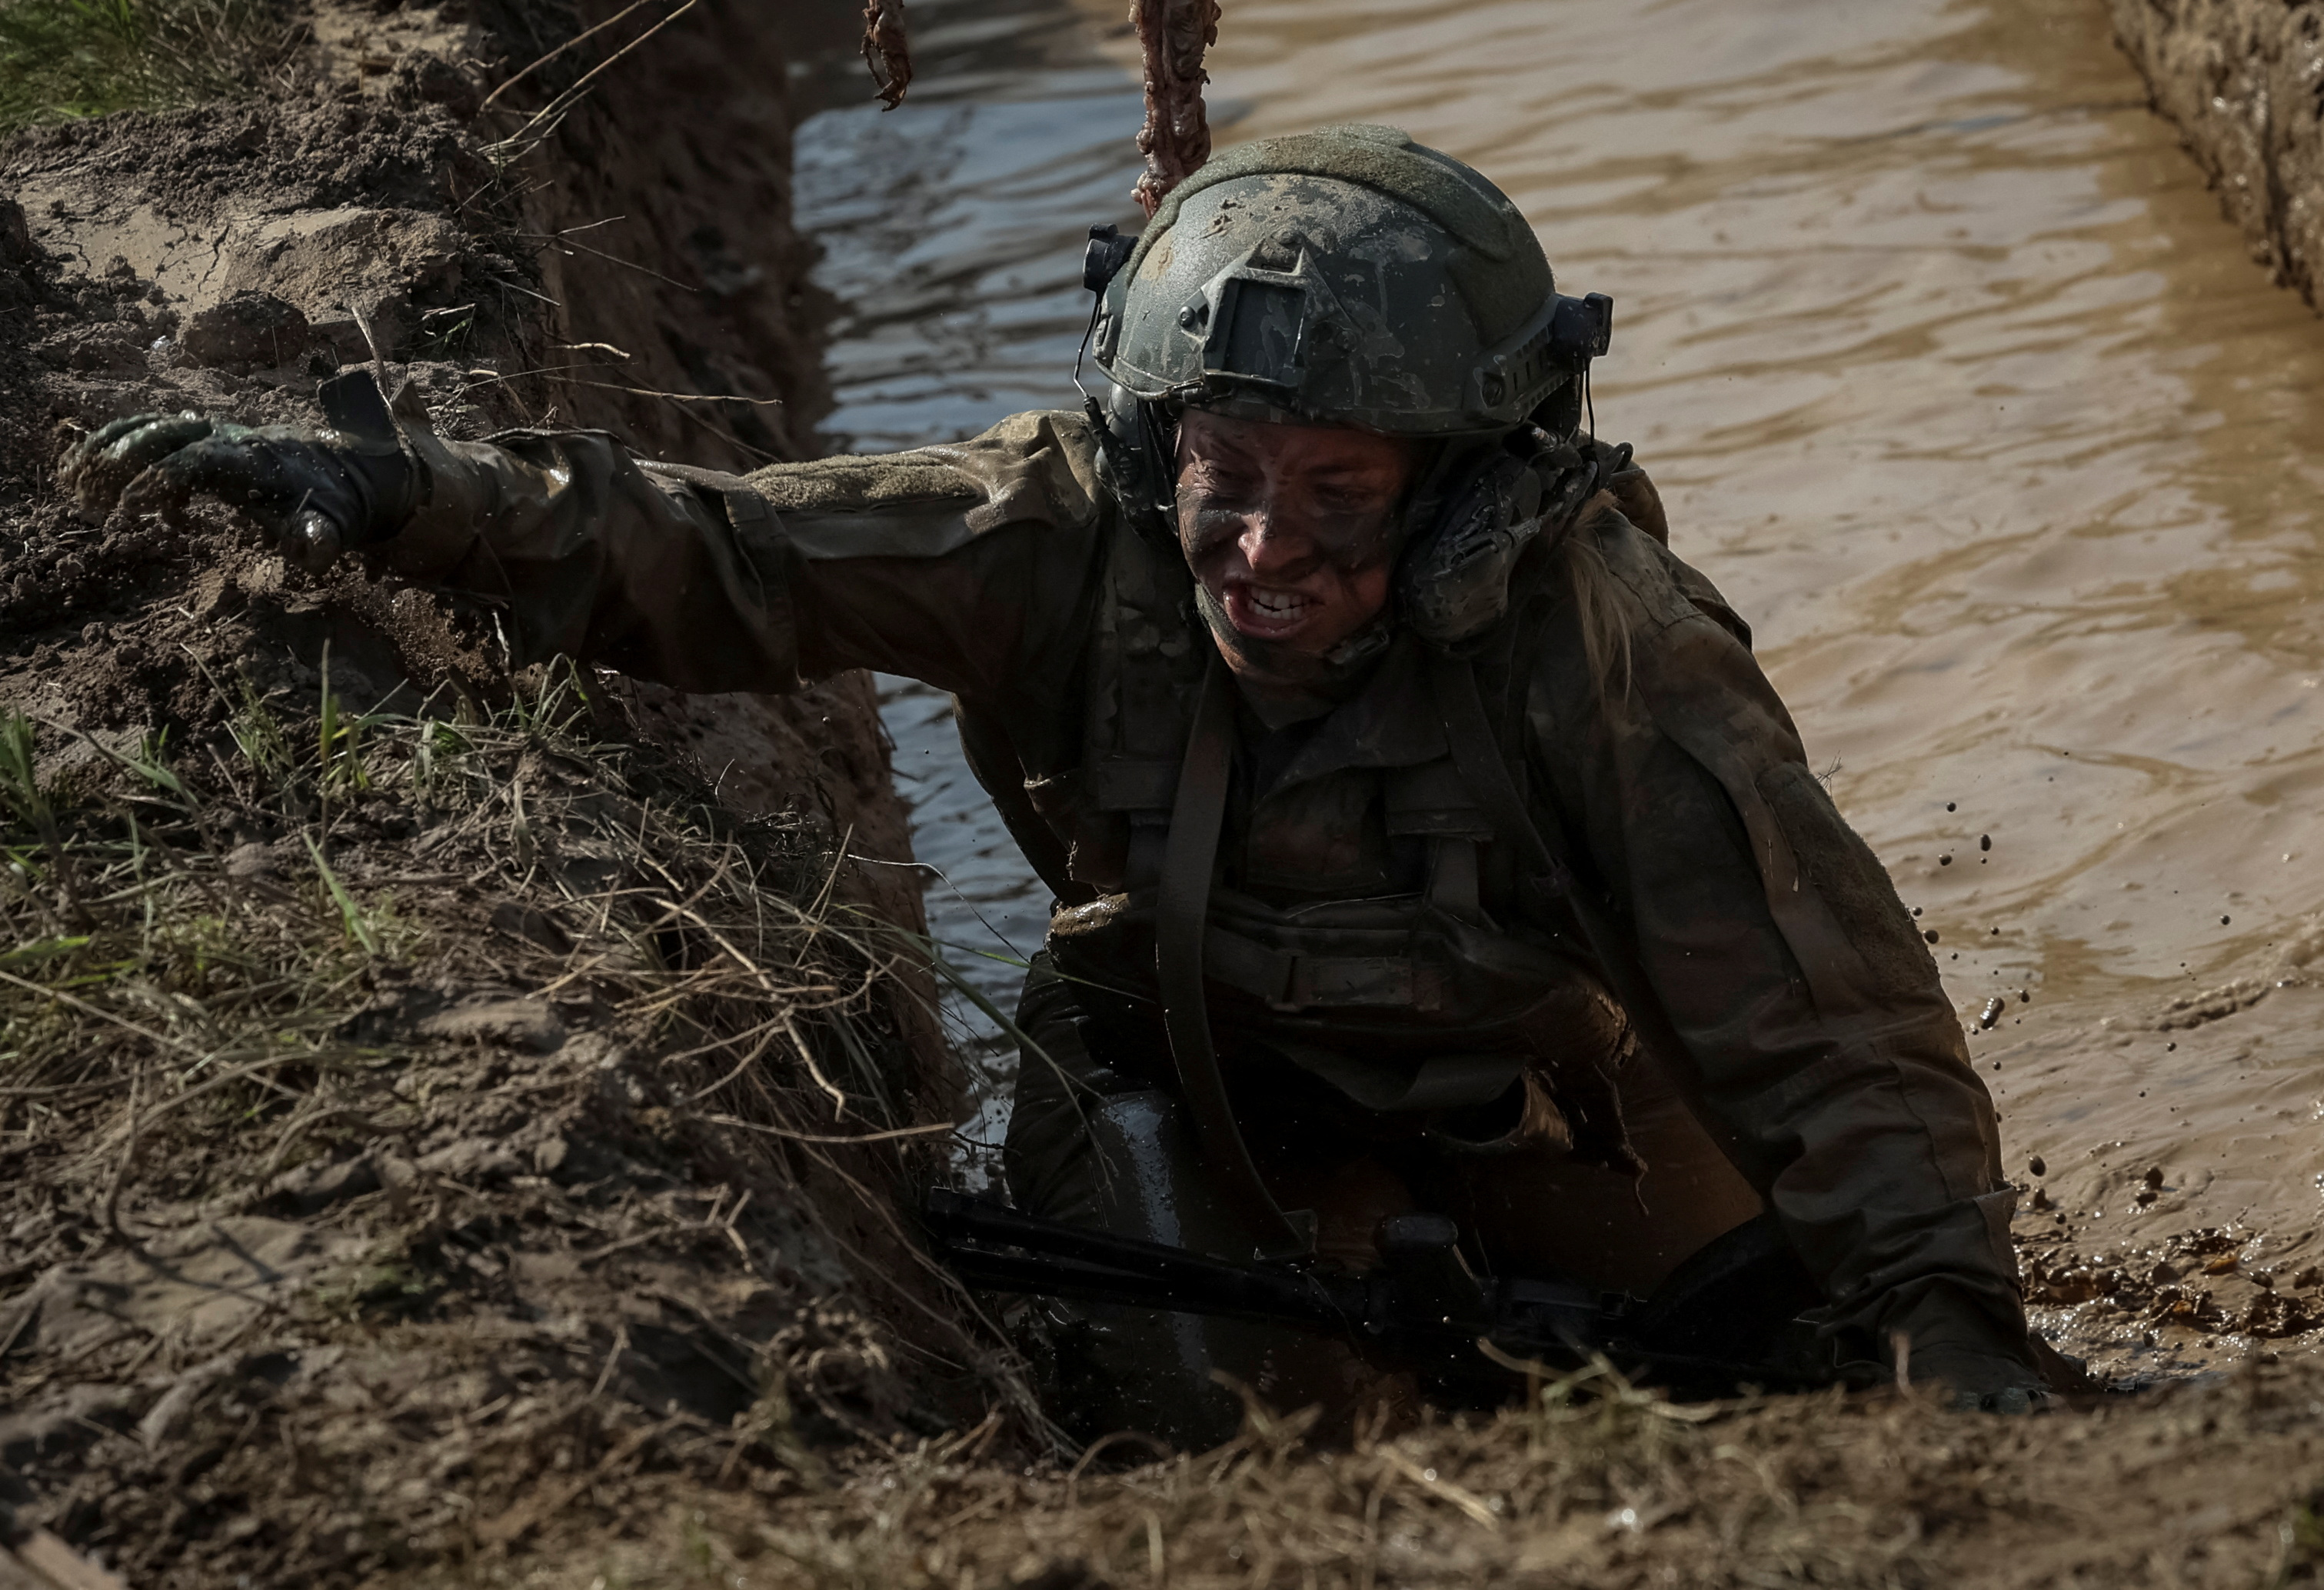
1290	527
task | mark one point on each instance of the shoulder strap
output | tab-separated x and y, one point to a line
1477	754
1196	816
1469	733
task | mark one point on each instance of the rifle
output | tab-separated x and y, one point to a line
1728	1317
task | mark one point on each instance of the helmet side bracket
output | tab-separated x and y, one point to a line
1131	449
1554	350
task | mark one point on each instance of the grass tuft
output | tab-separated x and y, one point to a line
66	59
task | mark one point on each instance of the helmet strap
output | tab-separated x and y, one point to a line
1283	686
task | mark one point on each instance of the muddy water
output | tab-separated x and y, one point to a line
1954	380
952	230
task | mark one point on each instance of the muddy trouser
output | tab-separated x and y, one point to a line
1096	1138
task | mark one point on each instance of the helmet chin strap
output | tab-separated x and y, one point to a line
1285	686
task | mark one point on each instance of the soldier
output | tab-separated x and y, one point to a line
1422	832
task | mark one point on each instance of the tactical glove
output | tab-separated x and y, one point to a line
319	493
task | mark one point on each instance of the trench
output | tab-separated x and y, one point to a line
1954	380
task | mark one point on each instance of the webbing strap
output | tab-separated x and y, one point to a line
1477	752
1196	815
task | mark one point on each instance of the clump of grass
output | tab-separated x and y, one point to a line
1592	1486
188	950
63	59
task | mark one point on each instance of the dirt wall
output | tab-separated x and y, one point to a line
528	222
2243	80
430	1095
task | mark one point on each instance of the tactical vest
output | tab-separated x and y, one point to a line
1364	925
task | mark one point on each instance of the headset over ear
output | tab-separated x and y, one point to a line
1484	505
1137	443
1452	582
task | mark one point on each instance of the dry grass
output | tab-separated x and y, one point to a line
1591	1485
218	927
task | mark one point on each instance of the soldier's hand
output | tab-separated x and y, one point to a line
319	493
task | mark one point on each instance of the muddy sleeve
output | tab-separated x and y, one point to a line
1819	1043
964	566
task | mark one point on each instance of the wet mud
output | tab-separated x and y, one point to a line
1952	378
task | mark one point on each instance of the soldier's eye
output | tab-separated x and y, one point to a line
1347	500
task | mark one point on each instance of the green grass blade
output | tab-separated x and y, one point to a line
359	926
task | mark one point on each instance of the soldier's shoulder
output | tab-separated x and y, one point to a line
1039	466
1660	590
1620	628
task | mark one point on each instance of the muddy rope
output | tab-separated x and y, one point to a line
1177	137
886	50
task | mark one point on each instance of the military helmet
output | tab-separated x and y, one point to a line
1350	276
1346	277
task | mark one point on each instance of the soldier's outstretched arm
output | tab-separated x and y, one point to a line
1822	1046
962	566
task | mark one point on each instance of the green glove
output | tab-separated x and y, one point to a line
319	493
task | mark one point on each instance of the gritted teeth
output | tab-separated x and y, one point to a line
1277	603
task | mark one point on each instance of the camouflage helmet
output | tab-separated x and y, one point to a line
1347	276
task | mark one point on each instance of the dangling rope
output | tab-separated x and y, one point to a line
886	50
1177	137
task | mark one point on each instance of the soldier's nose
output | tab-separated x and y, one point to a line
1265	548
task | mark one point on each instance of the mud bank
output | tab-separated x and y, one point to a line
429	1094
2239	78
2211	1486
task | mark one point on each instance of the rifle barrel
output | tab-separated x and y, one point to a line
1103	1267
992	1246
